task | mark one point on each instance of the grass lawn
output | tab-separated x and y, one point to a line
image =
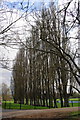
11	105
74	99
71	104
23	106
74	115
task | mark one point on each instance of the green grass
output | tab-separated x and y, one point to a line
71	105
23	106
74	115
74	99
74	104
11	105
8	101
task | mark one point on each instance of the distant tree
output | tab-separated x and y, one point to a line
6	94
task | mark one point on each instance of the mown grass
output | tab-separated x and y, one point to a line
23	106
8	105
74	99
71	104
12	105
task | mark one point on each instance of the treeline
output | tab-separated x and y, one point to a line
41	71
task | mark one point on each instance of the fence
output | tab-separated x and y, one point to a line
9	105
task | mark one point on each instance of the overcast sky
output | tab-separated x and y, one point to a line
5	76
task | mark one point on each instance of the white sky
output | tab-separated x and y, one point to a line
5	76
7	52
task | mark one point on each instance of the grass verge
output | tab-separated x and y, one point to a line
74	115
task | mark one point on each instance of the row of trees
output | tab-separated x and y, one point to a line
45	69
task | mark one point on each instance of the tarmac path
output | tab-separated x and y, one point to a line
43	113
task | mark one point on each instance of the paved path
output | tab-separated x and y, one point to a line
45	113
0	112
